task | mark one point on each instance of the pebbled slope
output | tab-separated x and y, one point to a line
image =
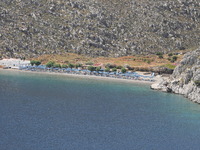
97	27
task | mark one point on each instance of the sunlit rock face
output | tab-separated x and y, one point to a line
97	27
185	78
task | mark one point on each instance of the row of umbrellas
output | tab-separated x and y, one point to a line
128	74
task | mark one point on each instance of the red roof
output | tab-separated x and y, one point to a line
96	65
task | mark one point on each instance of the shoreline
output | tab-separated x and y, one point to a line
85	76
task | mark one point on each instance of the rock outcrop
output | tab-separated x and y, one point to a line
97	27
185	79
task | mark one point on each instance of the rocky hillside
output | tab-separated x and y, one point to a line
185	79
97	27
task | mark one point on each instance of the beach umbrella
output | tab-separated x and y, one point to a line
88	71
134	73
83	70
68	69
112	73
76	70
101	70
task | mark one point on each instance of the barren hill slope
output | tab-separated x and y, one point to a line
97	27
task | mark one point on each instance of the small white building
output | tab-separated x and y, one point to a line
14	63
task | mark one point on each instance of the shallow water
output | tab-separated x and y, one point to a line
67	113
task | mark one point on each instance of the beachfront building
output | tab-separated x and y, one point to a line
14	63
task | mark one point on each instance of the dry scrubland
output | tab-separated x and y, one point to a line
132	61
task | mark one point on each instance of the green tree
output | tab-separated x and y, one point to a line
114	69
32	62
107	69
71	65
78	65
98	68
56	65
91	68
123	70
50	64
89	63
64	66
37	62
107	65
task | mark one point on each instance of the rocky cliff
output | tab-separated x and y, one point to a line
185	79
97	27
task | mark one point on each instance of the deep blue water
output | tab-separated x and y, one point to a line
51	112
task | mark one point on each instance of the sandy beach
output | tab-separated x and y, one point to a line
85	76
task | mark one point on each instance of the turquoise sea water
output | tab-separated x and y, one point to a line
51	112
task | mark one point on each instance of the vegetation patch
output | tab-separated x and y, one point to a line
134	63
35	62
169	66
197	82
50	64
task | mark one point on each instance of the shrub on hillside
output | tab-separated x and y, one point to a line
174	58
89	63
159	53
119	67
160	56
170	54
110	65
148	61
